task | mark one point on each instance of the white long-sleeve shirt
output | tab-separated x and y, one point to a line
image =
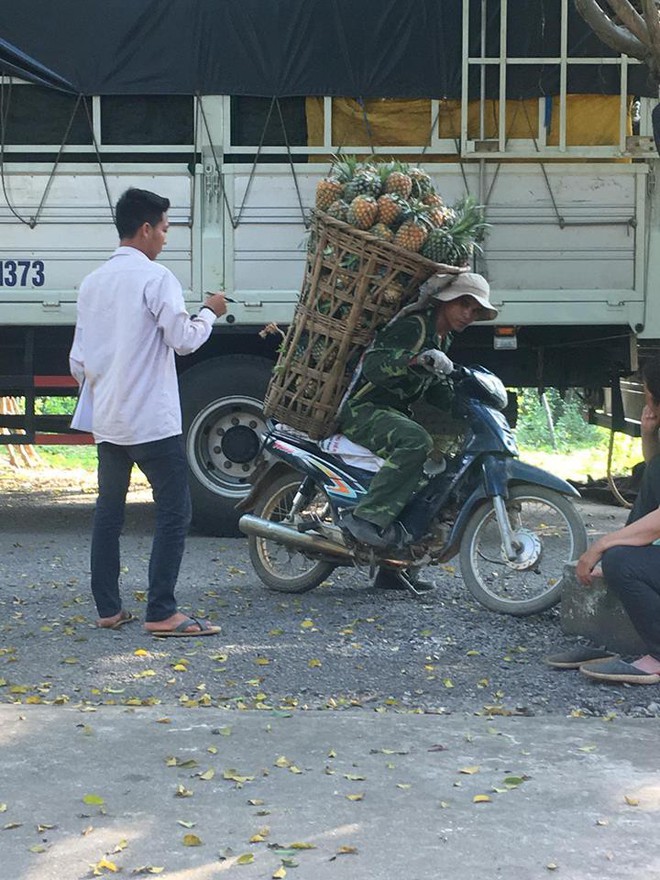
131	320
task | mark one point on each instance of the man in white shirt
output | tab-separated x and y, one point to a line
131	320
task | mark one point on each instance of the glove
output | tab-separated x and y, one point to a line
436	362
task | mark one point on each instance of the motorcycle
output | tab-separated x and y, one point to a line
513	526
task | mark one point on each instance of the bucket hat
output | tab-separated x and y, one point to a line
446	288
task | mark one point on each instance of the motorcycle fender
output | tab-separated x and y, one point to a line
266	472
468	508
519	472
516	472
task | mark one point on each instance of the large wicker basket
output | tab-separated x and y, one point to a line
353	284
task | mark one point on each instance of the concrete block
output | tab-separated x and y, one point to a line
597	614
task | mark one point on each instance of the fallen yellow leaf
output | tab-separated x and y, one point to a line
191	840
103	865
481	799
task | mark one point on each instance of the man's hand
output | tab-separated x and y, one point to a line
584	570
217	303
649	422
435	361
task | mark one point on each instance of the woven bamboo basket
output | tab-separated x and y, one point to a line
353	284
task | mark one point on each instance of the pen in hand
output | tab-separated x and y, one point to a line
227	298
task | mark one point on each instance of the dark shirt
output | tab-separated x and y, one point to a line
388	380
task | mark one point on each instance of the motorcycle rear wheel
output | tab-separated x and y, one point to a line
555	535
282	568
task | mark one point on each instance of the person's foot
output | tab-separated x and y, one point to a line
647	663
390	579
366	532
617	671
180	625
115	621
576	657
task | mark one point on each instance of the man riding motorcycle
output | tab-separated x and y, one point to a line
406	362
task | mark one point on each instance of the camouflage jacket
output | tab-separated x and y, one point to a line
386	378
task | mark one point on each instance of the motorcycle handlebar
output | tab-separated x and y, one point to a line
458	372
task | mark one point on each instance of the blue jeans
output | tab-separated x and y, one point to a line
633	573
163	462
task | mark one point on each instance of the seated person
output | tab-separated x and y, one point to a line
406	362
630	560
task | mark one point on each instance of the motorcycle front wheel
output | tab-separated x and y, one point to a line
280	567
547	532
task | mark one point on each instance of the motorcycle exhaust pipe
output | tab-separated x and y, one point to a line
264	528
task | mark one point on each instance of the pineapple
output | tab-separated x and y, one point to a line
441	247
437	212
382	231
328	191
455	242
343	280
433	200
301	348
390	207
399	183
324	304
414	231
308	387
436	216
332	187
318	350
422	185
393	294
362	212
338	209
363	182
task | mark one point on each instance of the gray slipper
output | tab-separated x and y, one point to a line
576	657
619	672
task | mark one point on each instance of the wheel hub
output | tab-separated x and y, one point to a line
223	444
528	550
240	444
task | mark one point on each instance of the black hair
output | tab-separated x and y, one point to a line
651	376
136	207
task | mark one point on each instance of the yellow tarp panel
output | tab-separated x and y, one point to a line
388	122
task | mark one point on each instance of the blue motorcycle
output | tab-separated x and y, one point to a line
513	526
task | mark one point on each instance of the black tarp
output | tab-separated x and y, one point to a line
13	62
365	48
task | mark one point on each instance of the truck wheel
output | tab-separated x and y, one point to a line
221	401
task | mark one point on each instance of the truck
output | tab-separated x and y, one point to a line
234	112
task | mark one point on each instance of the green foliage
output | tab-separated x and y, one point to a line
69	457
55	405
571	429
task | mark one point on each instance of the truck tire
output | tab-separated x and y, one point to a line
221	401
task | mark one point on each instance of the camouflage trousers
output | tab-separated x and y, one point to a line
405	446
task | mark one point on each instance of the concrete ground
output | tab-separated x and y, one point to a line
121	756
94	792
